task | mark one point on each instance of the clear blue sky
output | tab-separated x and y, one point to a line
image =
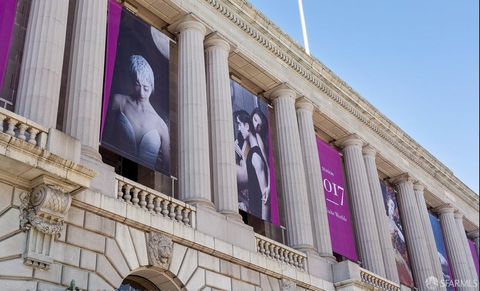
416	61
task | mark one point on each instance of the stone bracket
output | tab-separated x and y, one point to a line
42	213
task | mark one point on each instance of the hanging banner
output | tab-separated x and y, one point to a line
257	194
135	113
8	9
339	221
442	252
397	234
474	255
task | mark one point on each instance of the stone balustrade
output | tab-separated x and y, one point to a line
22	128
376	282
280	252
155	202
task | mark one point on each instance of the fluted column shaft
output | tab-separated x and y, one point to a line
428	230
299	226
313	175
368	242
194	156
85	83
466	247
414	232
384	236
456	253
220	105
41	69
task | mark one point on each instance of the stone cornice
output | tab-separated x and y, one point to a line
273	39
40	165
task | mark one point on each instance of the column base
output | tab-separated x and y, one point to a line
234	216
320	267
91	153
306	249
224	228
201	202
328	257
104	182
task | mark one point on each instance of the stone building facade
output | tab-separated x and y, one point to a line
68	217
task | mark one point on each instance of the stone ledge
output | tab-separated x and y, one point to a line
25	162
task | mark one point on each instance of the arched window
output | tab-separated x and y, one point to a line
137	283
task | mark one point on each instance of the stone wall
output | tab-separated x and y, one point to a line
99	253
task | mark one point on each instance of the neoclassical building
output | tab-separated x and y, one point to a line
192	145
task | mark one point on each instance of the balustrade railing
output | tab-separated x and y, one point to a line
277	251
155	202
377	282
22	128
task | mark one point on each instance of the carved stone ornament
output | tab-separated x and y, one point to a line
160	248
287	285
44	209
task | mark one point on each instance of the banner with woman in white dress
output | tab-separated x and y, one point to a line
135	114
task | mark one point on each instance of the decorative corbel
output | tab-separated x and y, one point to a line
42	213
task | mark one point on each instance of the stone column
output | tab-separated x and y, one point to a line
299	226
384	236
194	153
41	70
456	253
85	83
221	126
474	235
368	242
427	230
313	174
462	236
414	232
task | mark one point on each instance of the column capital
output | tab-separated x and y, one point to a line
458	214
215	39
418	186
282	90
445	208
349	140
189	21
305	104
402	178
369	150
474	234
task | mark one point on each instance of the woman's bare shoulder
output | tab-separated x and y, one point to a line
161	125
119	100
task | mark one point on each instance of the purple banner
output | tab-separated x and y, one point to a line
339	221
135	119
8	9
474	255
257	194
442	253
113	27
397	234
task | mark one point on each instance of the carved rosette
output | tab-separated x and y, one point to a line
287	285
45	209
160	248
